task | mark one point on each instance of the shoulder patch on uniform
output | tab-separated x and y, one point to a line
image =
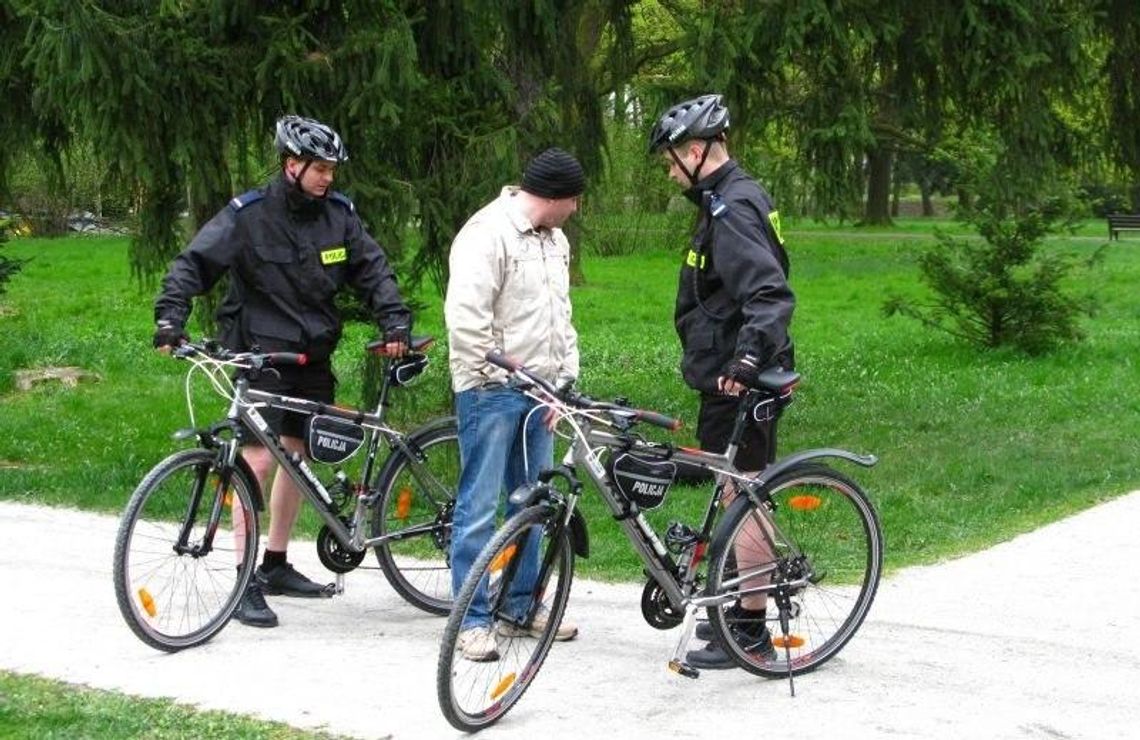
245	199
343	200
774	219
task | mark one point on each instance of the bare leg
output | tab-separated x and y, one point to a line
284	502
752	551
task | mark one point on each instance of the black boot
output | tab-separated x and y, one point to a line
252	610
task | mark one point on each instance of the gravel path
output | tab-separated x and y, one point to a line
1036	638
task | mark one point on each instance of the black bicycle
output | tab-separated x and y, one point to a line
786	574
187	544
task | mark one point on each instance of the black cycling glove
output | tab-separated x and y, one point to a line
744	370
398	335
169	334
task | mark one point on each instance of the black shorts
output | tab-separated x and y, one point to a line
313	382
715	421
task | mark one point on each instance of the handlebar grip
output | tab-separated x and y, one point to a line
286	358
495	357
656	419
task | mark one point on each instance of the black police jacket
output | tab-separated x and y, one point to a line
733	297
286	263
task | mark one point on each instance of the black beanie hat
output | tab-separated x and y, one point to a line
554	174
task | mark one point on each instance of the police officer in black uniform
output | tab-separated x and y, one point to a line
288	248
733	306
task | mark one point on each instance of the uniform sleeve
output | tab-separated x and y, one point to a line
210	254
746	261
476	278
373	280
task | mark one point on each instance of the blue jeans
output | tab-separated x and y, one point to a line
491	449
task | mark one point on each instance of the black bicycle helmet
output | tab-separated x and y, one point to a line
308	138
705	117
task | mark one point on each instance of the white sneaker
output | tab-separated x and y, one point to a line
478	644
567	630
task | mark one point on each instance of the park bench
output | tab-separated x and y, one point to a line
1118	222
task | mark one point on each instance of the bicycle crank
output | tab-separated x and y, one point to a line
335	556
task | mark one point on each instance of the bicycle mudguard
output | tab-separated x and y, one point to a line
786	463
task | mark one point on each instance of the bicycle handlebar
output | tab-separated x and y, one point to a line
256	359
497	358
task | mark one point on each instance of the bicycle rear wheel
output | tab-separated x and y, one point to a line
826	567
174	592
475	691
417	495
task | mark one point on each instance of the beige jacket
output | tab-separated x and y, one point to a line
509	289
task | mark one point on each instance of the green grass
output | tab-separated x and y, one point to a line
37	709
975	447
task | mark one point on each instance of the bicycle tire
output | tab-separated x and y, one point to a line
832	522
474	695
419	568
174	601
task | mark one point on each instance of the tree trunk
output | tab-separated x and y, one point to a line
927	200
878	186
896	187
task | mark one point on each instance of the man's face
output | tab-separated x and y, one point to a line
557	211
316	179
689	153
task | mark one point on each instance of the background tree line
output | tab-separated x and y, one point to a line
166	106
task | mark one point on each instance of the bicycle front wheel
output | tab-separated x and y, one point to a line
818	554
413	515
181	565
505	619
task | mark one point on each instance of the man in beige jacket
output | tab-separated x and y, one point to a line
509	290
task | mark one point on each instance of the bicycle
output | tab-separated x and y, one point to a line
799	536
187	543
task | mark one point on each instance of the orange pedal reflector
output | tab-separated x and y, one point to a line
504	557
791	641
147	602
805	503
403	503
502	686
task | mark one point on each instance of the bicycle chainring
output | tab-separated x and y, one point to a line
334	556
657	610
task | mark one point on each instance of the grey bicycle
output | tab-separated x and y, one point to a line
800	537
187	542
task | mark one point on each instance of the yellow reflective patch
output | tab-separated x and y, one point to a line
693	258
334	255
774	219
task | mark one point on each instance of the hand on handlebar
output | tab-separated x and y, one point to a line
167	335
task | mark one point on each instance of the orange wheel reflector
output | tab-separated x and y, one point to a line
403	503
805	503
147	602
502	686
791	641
503	558
229	499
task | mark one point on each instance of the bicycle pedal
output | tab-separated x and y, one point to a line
684	669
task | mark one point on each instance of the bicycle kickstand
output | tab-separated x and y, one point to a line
785	628
678	664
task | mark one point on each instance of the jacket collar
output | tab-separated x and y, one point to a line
513	209
710	181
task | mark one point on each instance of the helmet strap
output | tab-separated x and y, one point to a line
695	175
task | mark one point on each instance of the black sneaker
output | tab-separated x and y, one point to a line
285	580
705	629
252	609
713	657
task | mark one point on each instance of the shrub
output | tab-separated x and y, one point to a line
8	265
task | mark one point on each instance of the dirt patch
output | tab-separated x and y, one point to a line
68	376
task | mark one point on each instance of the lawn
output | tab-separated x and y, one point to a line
975	446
